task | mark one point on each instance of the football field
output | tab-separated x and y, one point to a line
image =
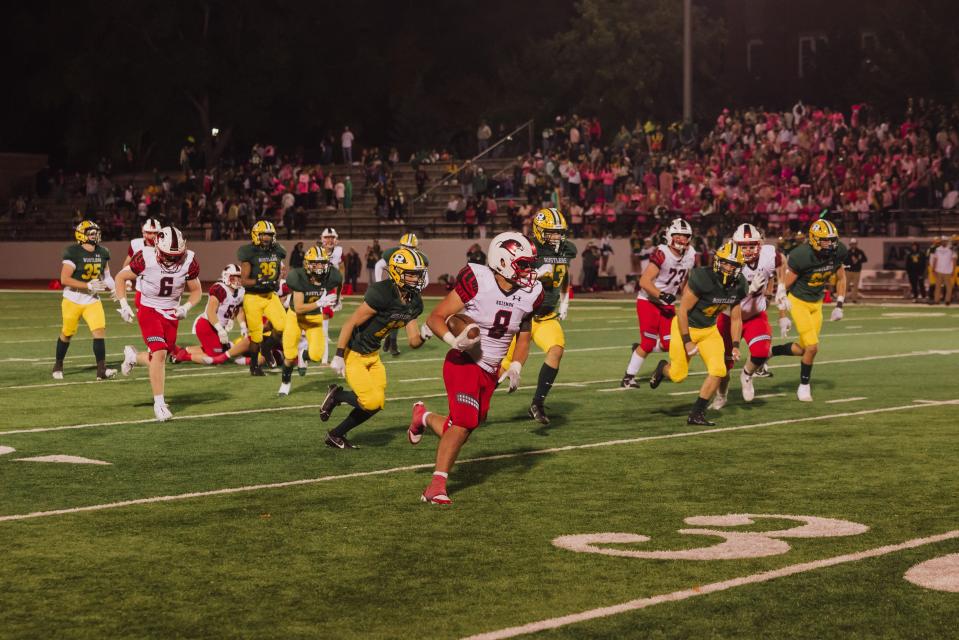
837	518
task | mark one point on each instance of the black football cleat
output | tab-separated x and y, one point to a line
329	403
699	418
657	376
257	371
538	413
338	442
629	382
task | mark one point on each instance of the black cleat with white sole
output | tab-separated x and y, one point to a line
329	403
699	418
657	376
538	413
338	442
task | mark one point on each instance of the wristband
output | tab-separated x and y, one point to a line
686	338
187	306
449	339
340	352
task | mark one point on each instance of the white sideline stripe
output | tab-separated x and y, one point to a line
770	395
684	393
417	379
838	400
925	401
430	465
723	585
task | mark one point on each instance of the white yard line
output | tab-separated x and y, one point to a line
839	400
701	590
502	456
418	379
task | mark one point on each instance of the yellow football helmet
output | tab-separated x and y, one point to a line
549	227
316	262
409	240
728	263
261	228
823	236
87	231
407	268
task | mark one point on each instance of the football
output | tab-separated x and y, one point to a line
459	321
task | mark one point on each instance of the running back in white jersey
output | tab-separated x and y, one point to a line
673	271
497	314
162	286
764	267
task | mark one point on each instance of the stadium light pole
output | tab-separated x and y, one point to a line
687	60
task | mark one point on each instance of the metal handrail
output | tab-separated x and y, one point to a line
446	178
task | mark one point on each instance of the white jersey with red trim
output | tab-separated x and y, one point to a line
673	271
136	244
231	302
336	256
497	314
764	267
161	286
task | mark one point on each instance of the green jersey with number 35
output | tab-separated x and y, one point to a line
556	279
813	271
391	313
713	296
265	266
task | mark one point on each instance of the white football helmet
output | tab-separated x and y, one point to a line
329	237
749	239
679	229
513	256
170	246
150	229
230	277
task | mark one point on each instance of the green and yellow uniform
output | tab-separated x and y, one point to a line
553	266
365	372
813	272
713	299
261	298
310	322
80	303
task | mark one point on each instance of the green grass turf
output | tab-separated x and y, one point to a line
361	557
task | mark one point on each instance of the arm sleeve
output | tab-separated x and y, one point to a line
194	271
658	258
130	251
137	265
217	291
466	285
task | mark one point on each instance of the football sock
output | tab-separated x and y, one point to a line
182	355
547	375
99	349
783	349
356	418
424	422
438	483
254	354
159	399
755	364
62	349
345	396
805	373
700	405
635	362
287	374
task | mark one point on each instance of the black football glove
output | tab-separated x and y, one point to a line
667	298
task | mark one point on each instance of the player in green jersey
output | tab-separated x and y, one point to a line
260	264
84	274
554	253
809	268
313	287
708	292
388	304
409	241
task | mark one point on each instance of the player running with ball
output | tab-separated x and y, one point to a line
501	298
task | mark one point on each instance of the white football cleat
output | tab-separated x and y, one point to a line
284	389
129	360
719	400
747	383
162	412
804	393
107	374
241	360
58	375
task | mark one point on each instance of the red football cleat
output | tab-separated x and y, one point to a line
415	432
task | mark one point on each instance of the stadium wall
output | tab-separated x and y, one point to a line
40	261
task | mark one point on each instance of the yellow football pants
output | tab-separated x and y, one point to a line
314	335
91	313
257	305
807	318
545	333
711	350
366	376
